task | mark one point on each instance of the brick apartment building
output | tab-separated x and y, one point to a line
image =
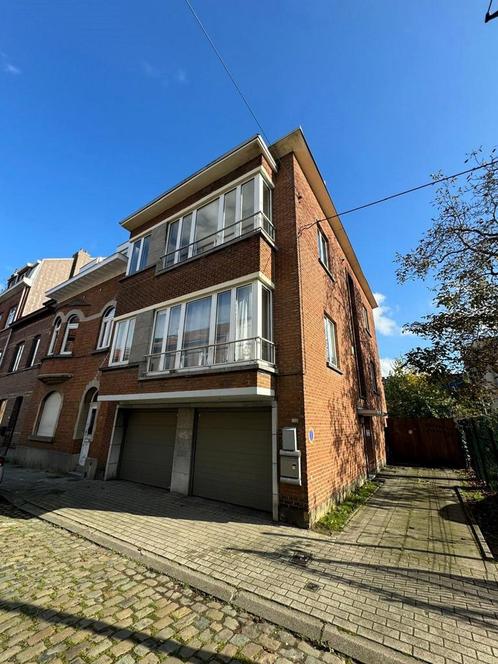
243	365
25	318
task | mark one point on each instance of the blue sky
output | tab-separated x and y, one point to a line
103	105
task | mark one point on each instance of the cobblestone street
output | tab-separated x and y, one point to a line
64	599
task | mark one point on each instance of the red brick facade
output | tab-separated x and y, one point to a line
330	408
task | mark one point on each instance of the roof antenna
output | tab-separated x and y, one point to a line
490	16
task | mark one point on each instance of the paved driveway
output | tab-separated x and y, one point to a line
406	573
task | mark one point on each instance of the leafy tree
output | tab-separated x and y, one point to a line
411	394
460	252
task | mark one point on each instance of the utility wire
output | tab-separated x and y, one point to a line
397	195
225	66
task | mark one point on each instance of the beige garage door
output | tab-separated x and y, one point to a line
233	457
147	453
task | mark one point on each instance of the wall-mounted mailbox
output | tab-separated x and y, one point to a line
290	467
289	439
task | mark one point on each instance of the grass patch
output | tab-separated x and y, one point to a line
335	520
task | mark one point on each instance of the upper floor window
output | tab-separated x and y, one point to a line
123	338
366	318
69	336
16	358
323	249
139	254
105	333
373	376
49	415
55	334
238	211
35	344
331	342
11	316
224	327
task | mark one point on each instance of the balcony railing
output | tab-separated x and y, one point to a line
230	352
240	228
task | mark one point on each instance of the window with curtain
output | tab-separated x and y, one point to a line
139	255
123	337
226	217
214	329
49	415
105	334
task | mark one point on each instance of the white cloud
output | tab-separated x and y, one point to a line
384	322
7	65
386	365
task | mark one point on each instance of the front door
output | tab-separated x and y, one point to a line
88	434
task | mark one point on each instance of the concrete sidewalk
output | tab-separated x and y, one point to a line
404	580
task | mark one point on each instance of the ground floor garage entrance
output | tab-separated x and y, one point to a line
148	447
233	457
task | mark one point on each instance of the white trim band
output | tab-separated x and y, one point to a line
192	395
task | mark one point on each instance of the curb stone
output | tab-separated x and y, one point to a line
482	545
357	647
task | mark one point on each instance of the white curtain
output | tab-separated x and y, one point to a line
244	323
49	415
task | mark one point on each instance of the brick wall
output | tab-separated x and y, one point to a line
82	367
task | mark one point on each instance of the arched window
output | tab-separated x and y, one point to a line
104	340
55	334
71	327
49	415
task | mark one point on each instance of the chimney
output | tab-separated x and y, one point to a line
80	258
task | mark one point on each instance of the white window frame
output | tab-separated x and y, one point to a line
41	413
256	323
55	335
323	249
139	241
34	351
129	323
219	238
105	333
18	356
11	316
331	336
69	326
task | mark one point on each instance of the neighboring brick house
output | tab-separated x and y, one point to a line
25	317
244	366
64	407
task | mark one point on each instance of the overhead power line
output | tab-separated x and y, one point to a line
225	67
400	193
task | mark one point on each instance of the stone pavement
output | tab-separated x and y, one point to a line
65	599
405	574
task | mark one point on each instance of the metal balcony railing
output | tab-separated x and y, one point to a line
237	230
230	352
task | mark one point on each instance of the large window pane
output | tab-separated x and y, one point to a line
243	323
185	237
121	330
247	206
171	244
206	224
229	215
144	256
128	340
172	338
157	341
196	332
222	332
266	201
135	253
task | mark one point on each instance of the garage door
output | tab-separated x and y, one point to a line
147	453
233	457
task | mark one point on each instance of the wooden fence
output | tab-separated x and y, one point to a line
424	441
